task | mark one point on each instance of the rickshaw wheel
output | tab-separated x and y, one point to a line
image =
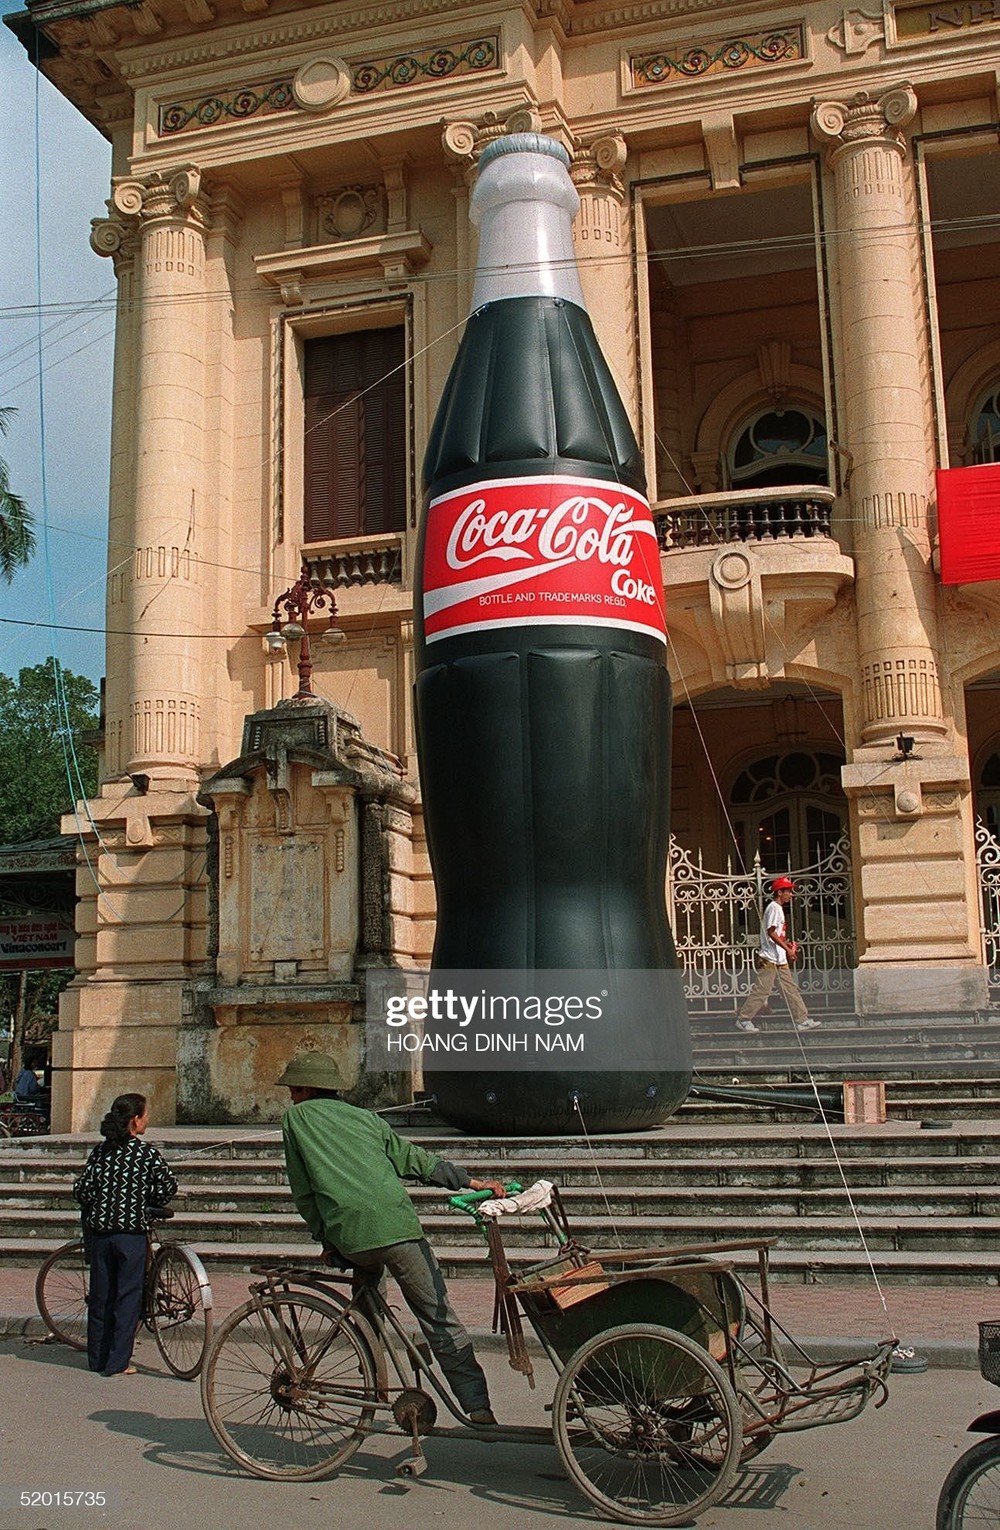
647	1425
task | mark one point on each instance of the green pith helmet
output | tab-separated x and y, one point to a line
313	1070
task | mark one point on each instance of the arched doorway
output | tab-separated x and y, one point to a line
757	792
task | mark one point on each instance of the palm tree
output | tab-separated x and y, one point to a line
17	539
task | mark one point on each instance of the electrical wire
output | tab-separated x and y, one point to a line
805	240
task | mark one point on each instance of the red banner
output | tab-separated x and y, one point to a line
518	552
968	503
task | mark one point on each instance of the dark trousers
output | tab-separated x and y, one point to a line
114	1307
419	1277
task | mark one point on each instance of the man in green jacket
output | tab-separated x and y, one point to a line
344	1168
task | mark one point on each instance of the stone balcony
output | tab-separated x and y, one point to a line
748	515
358	560
749	577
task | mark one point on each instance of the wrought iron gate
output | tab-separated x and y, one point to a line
716	921
988	873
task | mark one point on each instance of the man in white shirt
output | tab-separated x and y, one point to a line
773	958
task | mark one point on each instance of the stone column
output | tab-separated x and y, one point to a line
118	238
141	922
887	417
910	819
156	665
601	239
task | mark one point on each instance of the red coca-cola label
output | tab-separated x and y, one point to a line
514	552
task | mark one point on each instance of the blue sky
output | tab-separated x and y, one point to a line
71	171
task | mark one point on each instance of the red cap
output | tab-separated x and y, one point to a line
782	884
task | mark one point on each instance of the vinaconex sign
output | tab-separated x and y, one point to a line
29	942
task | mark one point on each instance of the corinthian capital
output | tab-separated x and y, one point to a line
601	164
459	141
114	236
865	117
157	194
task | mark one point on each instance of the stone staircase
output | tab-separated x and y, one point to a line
928	1200
852	1046
946	1066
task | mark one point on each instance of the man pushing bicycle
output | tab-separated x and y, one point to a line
345	1168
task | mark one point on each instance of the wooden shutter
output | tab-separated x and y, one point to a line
355	435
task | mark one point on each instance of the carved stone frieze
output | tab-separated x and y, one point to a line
717	55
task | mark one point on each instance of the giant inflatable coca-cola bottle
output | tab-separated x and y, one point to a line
542	696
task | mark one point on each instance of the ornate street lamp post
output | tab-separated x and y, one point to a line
305	598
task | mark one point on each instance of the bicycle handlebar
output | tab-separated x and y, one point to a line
468	1200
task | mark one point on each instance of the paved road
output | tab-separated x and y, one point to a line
143	1442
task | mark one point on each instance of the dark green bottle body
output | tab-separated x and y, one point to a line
544	735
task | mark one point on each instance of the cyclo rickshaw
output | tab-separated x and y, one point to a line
671	1370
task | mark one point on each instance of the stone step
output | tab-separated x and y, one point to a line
847	1056
775	1020
54	1176
961	1198
845	1266
721	1112
821	1231
676	1140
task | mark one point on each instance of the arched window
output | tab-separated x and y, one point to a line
779	446
790	808
984	428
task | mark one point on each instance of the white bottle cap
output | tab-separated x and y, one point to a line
524	204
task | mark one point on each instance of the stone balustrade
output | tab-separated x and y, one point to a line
743	515
362	560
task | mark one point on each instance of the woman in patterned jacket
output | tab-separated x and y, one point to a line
124	1176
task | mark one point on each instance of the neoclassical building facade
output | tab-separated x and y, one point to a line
788	240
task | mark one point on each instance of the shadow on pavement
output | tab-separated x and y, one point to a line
184	1443
760	1487
54	1352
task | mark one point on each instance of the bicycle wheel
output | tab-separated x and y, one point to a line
180	1309
27	1123
647	1425
61	1290
288	1387
970	1497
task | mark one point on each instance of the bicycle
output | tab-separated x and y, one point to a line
669	1372
23	1118
176	1300
970	1496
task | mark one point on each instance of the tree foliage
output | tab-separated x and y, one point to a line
17	538
45	767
